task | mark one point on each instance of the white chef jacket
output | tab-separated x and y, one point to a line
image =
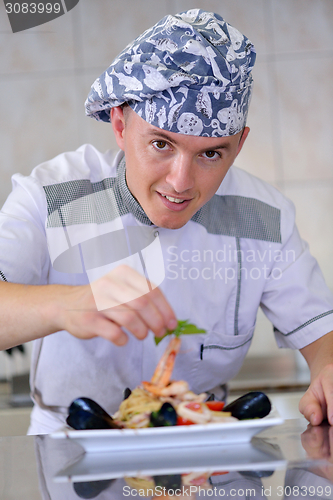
74	219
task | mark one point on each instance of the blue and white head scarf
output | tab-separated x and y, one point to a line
190	73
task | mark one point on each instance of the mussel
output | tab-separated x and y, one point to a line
252	405
256	473
91	489
127	392
84	414
166	415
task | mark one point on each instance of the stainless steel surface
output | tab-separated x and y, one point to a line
287	461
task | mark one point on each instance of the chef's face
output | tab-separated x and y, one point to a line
172	175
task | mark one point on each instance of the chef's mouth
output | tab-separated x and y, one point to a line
174	199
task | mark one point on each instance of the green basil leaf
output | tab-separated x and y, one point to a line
183	328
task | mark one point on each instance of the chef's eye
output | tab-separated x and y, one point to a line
211	155
160	144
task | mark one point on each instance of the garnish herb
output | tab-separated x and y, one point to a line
183	328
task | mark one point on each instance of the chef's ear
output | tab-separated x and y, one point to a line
118	125
244	134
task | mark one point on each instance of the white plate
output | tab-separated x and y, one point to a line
169	437
257	455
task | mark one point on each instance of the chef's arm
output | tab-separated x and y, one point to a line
29	312
317	403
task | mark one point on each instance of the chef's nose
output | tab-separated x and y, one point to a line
181	173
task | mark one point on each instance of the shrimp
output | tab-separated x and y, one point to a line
163	372
178	388
160	384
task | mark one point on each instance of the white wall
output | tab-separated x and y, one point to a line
46	72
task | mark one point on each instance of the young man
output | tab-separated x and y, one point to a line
106	251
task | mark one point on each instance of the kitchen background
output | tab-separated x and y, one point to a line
46	72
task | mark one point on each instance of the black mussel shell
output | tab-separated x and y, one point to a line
252	405
84	414
169	482
166	415
91	489
257	473
127	393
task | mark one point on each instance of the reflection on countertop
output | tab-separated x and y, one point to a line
291	460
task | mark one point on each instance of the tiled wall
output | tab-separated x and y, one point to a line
46	72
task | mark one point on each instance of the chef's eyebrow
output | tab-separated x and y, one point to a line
162	135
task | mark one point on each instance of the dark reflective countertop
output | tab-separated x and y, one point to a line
292	460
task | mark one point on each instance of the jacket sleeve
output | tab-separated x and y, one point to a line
23	247
296	298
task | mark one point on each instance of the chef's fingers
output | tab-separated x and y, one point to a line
140	315
111	331
119	286
87	324
311	407
155	311
153	297
127	317
124	291
327	385
121	298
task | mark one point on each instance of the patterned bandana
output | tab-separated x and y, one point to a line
190	73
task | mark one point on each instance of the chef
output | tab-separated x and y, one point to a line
102	252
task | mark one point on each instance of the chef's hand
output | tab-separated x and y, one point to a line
317	403
121	298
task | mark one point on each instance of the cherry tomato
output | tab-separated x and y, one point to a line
215	405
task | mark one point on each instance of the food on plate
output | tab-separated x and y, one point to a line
165	402
252	405
145	406
84	414
166	415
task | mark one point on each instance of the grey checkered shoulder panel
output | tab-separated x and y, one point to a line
77	202
82	201
59	195
240	217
